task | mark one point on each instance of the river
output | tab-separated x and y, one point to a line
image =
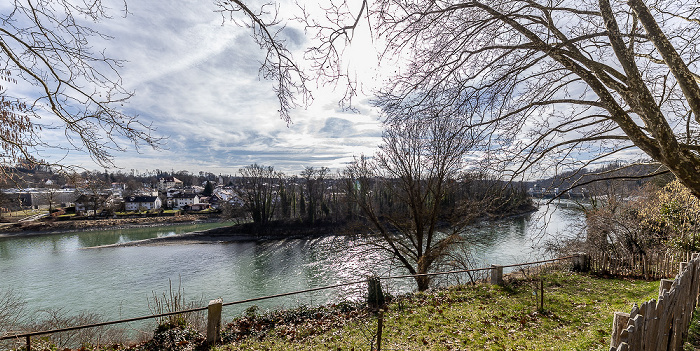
60	271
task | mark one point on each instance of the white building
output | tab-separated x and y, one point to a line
135	203
182	200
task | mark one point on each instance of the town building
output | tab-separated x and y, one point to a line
182	200
169	182
137	203
92	204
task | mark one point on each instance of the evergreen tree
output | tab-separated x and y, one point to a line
208	189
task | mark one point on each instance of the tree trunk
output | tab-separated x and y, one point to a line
423	282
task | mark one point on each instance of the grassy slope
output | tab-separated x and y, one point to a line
578	316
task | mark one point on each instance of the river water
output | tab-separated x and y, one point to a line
62	271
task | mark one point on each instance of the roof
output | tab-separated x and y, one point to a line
184	196
141	198
170	180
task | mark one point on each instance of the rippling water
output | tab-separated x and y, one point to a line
57	272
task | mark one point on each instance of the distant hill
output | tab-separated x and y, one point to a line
616	177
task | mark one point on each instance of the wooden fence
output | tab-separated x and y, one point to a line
653	265
660	325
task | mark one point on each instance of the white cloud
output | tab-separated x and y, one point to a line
197	82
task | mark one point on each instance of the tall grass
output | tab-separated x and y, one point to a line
173	301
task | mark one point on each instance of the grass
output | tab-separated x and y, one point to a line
693	340
23	213
577	315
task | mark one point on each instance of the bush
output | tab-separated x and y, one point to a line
12	310
675	212
619	228
653	219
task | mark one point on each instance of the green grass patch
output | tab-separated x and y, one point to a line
693	340
24	213
577	315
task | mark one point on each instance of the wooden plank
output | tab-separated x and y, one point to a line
620	320
662	337
665	284
651	325
633	313
636	333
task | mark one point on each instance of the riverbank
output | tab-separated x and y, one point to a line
40	228
281	230
577	315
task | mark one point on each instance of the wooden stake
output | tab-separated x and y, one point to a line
496	274
214	321
380	323
541	294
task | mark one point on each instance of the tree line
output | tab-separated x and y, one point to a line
317	196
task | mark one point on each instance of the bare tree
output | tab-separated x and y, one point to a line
419	164
567	81
46	46
5	204
314	191
558	83
259	191
12	313
90	188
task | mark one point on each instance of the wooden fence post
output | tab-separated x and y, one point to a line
620	321
375	295
496	274
541	295
582	262
214	320
380	323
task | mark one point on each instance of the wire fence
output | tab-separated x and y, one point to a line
496	277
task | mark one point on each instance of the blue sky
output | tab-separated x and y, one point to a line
195	78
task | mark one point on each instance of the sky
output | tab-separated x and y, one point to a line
195	76
195	79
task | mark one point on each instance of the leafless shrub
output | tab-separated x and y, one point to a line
174	301
459	258
12	310
60	318
622	227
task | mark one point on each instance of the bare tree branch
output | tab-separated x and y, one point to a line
44	45
279	64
